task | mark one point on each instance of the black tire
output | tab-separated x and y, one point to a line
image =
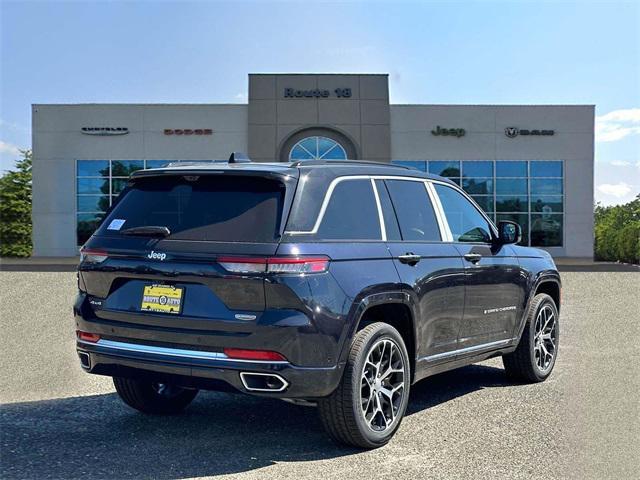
341	413
523	363
155	398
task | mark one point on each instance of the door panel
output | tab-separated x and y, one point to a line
494	290
436	285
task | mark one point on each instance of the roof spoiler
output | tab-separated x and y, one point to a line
239	157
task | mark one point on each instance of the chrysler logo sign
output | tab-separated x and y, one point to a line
105	130
513	132
316	93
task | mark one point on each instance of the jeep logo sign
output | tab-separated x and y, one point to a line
452	132
513	132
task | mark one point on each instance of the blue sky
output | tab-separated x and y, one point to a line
445	52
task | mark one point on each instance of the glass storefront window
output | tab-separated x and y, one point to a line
546	186
546	204
92	185
477	169
511	186
546	230
444	169
546	169
92	168
482	186
512	203
511	169
124	168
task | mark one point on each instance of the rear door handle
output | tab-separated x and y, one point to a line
472	257
409	258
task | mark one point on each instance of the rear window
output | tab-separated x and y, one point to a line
205	207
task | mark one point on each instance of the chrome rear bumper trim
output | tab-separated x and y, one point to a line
172	352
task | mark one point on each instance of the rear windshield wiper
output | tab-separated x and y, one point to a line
147	231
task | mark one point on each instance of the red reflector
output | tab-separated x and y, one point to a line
242	354
88	337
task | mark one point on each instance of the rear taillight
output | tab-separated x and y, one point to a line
242	354
87	337
88	255
316	264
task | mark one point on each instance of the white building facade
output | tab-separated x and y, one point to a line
533	164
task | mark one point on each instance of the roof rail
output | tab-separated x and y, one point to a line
346	162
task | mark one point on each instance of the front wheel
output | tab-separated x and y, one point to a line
536	354
152	397
367	407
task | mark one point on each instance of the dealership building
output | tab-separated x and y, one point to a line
529	163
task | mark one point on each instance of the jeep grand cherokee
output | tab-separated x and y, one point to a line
338	284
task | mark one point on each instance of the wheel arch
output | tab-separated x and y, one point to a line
392	308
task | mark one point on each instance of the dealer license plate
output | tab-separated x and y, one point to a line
162	298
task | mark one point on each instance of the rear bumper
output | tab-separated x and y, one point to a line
203	369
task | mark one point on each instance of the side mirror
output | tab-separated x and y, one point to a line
509	232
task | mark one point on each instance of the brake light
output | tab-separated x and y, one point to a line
316	264
242	354
88	255
87	337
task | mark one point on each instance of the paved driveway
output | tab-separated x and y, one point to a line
58	422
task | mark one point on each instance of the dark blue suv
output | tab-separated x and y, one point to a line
337	284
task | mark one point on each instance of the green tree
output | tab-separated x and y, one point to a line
15	209
617	232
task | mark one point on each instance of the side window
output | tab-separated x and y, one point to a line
465	222
389	215
352	213
414	211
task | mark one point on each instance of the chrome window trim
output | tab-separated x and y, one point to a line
492	226
383	228
329	193
443	223
172	352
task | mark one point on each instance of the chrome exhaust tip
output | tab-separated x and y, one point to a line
263	382
85	360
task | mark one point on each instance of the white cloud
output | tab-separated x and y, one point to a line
620	163
618	124
241	96
8	149
617	190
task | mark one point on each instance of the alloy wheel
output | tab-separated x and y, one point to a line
382	385
545	338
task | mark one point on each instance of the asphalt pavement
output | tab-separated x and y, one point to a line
583	422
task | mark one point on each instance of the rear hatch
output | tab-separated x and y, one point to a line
158	258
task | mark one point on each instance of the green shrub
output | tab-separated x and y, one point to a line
617	232
15	209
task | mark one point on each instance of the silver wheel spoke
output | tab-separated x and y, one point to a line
544	339
382	385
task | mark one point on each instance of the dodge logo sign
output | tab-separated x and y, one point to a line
513	132
105	130
188	131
